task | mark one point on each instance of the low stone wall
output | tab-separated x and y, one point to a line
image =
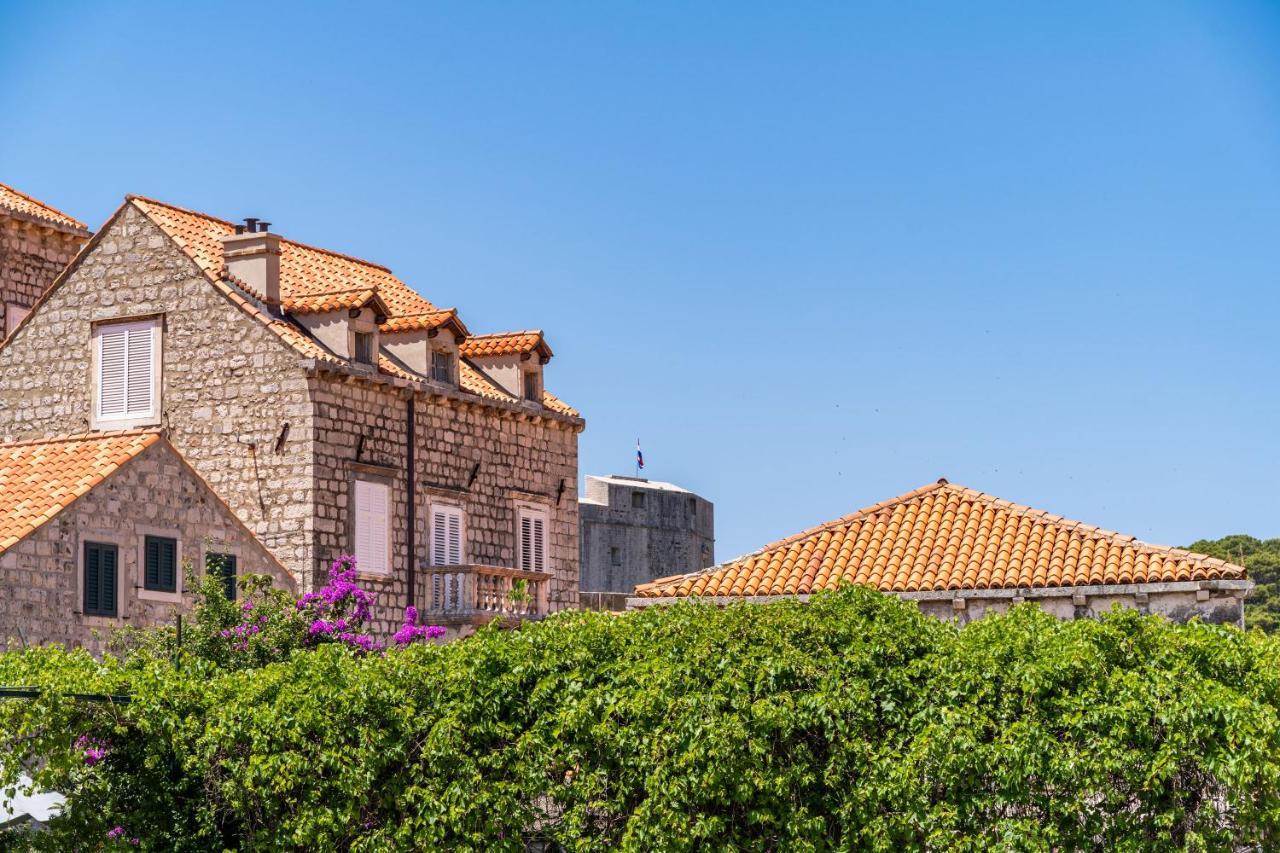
1217	602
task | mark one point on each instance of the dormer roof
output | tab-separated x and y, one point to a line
507	343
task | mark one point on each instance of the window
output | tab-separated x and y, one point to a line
531	385
446	536
442	366
127	355
160	564
100	567
13	315
531	553
372	519
364	347
615	556
637	500
223	566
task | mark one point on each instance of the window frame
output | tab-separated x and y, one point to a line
128	418
448	509
357	480
356	338
450	363
231	587
148	540
12	316
535	513
116	603
531	386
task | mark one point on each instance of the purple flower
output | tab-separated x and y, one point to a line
116	832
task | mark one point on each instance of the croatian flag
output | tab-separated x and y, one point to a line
639	455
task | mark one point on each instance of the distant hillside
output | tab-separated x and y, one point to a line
1262	558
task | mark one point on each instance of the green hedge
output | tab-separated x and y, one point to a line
849	722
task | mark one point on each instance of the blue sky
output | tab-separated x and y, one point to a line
813	255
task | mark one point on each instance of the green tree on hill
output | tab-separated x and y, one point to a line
1262	558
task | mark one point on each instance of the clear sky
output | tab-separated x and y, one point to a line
812	255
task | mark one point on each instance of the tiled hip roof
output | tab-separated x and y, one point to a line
945	537
19	202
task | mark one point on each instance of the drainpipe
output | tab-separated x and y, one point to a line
411	484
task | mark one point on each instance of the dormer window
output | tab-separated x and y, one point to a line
363	347
442	366
532	387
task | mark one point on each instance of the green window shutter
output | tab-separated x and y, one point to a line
223	566
92	578
109	560
160	564
100	570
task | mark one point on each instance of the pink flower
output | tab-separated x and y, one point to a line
116	832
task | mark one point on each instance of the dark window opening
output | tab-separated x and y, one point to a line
530	385
364	347
637	500
160	564
101	561
615	556
223	566
442	366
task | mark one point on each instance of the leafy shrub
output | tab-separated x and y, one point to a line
849	722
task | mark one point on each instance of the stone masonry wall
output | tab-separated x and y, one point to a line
41	576
31	256
229	384
522	458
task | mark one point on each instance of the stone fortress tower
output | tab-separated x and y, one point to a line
634	530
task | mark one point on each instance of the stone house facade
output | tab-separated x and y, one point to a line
961	554
331	407
36	242
119	499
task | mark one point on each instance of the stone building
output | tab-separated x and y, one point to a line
959	553
96	532
36	242
331	407
635	530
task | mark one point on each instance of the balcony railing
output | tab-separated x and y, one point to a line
473	593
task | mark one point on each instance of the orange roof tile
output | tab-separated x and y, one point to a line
39	479
305	271
318	303
19	202
424	322
506	343
945	537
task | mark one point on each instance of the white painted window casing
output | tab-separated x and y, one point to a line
127	370
372	527
531	540
13	315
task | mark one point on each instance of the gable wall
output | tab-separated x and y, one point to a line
228	382
40	577
519	457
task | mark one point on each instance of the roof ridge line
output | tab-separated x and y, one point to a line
1085	528
538	332
283	239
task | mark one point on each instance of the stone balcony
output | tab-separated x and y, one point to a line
475	594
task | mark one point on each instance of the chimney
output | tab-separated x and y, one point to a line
252	255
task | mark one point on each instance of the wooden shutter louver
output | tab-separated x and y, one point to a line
372	523
160	564
532	545
126	370
100	563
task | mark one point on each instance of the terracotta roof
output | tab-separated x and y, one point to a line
945	537
425	322
39	479
506	343
306	272
19	202
314	280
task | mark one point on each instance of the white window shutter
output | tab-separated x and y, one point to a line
112	372
531	547
446	536
372	523
139	372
